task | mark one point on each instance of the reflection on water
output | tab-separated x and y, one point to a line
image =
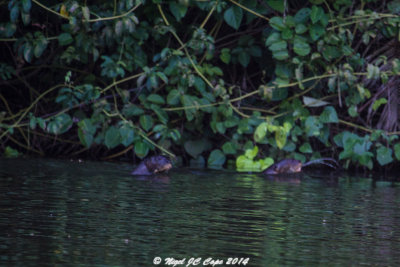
91	213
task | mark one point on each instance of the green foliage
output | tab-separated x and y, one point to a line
86	132
196	147
6	71
60	124
233	16
112	137
205	79
247	162
216	159
277	5
11	153
378	103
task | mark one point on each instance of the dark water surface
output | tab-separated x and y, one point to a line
60	213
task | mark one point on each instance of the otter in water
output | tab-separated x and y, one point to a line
294	166
153	165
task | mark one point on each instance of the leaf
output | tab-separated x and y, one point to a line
287	34
188	103
87	126
244	58
141	149
331	52
217	71
280	137
278	46
14	13
229	148
329	115
216	159
301	47
316	14
10	152
366	160
65	39
277	5
200	85
265	163
155	98
39	48
26	5
10	29
384	155
251	153
378	103
353	111
152	82
231	121
161	114
273	38
302	15
162	76
277	23
299	76
283	70
85	138
146	121
60	124
63	11
173	97
397	151
41	122
287	126
373	72
32	123
131	110
300	28
225	55
306	148
178	10
279	94
86	12
127	134
26	18
316	31
195	147
312	126
244	164
112	137
220	126
233	16
260	132
28	53
281	55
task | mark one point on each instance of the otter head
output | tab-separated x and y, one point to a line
157	164
294	166
284	166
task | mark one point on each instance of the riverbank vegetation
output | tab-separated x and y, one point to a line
215	83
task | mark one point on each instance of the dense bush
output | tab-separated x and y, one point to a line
209	81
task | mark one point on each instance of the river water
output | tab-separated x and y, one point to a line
61	213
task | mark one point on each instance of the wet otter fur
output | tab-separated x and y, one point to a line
153	165
295	166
